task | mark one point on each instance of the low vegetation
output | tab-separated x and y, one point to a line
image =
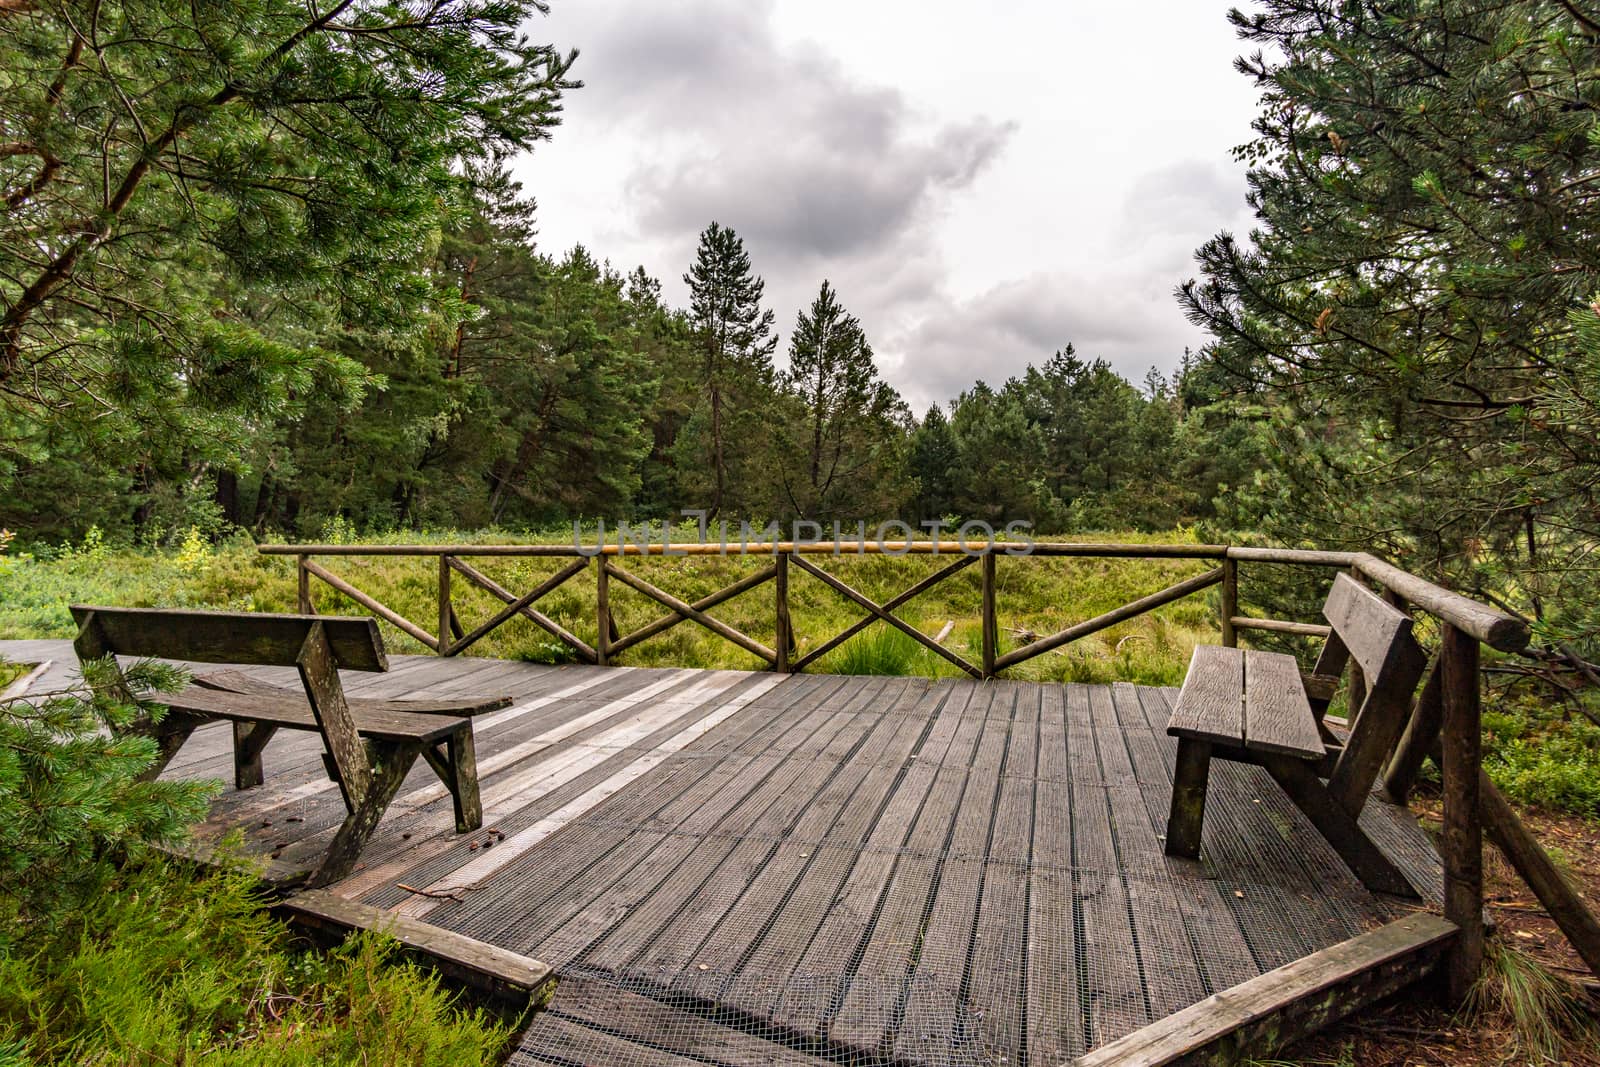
167	965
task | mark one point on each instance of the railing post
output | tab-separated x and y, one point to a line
303	587
1461	840
783	639
444	605
991	624
602	605
1230	602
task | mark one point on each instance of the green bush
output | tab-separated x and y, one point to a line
1538	758
169	965
71	799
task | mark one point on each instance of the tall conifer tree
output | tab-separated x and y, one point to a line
733	335
842	454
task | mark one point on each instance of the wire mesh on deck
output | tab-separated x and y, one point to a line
945	882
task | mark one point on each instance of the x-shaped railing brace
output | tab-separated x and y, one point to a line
885	612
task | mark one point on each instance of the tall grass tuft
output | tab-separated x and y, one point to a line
880	649
1545	1015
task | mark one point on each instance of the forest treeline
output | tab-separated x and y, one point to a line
262	266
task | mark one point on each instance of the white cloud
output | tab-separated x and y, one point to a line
980	189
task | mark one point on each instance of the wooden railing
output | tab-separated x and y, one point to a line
1444	723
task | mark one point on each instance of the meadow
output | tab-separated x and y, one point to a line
1035	596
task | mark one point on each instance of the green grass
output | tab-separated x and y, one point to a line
173	966
1545	1018
1035	595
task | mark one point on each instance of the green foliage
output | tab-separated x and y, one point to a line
1410	312
199	198
1546	1017
1537	757
166	965
733	343
840	449
881	649
71	798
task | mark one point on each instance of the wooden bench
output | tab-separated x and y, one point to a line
1256	707
369	745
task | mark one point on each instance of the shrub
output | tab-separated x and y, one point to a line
169	965
71	798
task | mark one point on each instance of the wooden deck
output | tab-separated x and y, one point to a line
729	868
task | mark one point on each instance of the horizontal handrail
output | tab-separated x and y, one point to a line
944	547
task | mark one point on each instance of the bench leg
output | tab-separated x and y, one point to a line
457	768
388	771
1188	798
249	738
1337	826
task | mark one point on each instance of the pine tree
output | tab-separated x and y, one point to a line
199	199
931	463
732	336
1424	179
842	454
72	798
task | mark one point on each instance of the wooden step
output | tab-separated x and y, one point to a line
500	972
1284	1005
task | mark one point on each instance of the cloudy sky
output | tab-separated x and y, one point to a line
981	184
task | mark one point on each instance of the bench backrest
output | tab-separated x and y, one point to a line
1376	638
1377	635
256	638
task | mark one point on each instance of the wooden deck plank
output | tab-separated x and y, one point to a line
589	889
1166	954
824	970
779	952
1116	1002
598	774
933	1008
574	771
867	1017
565	906
603	1004
776	806
1221	949
558	1039
759	897
996	989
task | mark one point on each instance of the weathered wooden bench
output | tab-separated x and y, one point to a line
1257	707
369	745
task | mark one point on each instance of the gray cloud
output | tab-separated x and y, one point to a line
817	191
1177	197
700	110
998	333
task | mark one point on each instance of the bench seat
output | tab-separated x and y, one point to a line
237	696
1247	699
